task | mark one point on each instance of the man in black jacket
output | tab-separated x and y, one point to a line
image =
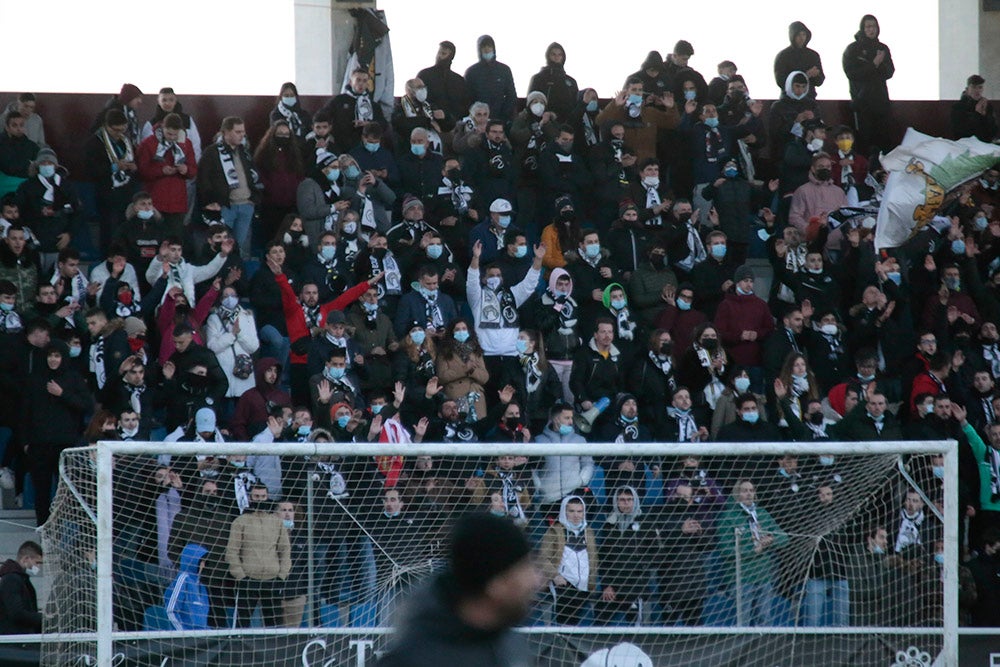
19	613
445	89
798	57
559	88
973	115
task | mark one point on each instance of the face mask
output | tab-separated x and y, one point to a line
493	282
538	108
938	471
865	379
618	304
845	145
289	101
651	181
343	420
350	228
690	94
629	420
731	172
878	419
144	215
666	349
592	106
434	250
815	145
829	329
230	302
352	172
418	337
47	170
429	293
288	523
825	460
377	408
33	571
953	283
369	307
878	550
634	100
333	175
328	252
895	276
683	305
239	464
489	55
958	247
743	292
569	215
981	222
929	408
521	251
335	373
461	335
75	351
684	218
565	429
823	174
939	559
418	149
503	221
718	250
712	122
521	345
741	384
372	147
751	417
592	250
6	307
420	94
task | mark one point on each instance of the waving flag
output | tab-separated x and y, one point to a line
922	170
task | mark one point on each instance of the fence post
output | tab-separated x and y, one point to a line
105	559
314	611
949	650
740	616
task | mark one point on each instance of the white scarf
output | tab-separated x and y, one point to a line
625	326
363	109
753	524
665	364
119	177
909	530
242	483
686	426
293	118
993	459
992	355
795	260
163	147
391	283
10	321
532	373
714	388
498	310
338	486
653	200
50	189
696	249
413	109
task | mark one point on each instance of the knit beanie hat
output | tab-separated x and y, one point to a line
129	92
483	547
742	273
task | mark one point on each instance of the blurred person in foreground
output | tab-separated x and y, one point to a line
466	614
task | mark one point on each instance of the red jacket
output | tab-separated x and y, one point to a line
923	384
738	313
169	192
680	324
295	319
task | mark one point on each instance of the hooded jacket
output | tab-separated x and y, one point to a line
66	203
784	111
793	58
47	420
626	548
560	342
560	475
22	270
553	547
18	601
560	89
446	89
869	91
220	339
186	599
492	82
251	409
595	376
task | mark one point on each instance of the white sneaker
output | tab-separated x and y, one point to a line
6	478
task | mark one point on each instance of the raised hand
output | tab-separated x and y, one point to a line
506	394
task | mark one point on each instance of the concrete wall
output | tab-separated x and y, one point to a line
989	50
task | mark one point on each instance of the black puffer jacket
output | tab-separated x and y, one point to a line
18	601
793	58
559	88
50	420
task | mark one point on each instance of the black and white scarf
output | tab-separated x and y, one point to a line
135	395
432	310
425	363
363	109
163	147
666	366
117	151
97	361
510	491
228	156
589	131
311	314
818	430
991	354
566	310
242	483
78	286
498	310
846	172
627	431
795	262
391	285
50	186
10	321
696	249
753	524
836	346
331	275
653	200
124	310
625	325
686	426
459	193
993	461
989	413
418	109
227	317
714	146
336	484
532	372
714	388
909	530
291	114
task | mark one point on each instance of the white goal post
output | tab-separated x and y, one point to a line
105	470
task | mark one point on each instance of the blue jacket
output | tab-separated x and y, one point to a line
186	599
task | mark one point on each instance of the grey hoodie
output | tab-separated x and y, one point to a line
561	475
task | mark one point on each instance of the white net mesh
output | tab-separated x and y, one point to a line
693	547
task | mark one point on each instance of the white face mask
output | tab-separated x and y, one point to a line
829	329
421	94
816	145
537	108
350	227
33	571
651	181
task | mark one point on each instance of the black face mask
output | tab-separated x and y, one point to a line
666	348
710	344
512	423
684	217
379	252
454	175
816	418
199	381
823	174
281	142
567	216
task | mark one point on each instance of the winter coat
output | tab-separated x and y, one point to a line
226	345
16	154
645	290
22	270
737	201
49	421
626	549
342	109
550	553
738	313
782	115
967	122
707	278
412	308
594	376
186	599
213	188
560	475
756	568
641	132
793	58
252	408
459	380
869	91
707	165
19	613
420	176
559	88
169	191
492	82
811	199
446	89
492	174
66	204
859	427
258	547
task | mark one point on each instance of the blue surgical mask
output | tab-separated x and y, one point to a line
895	276
304	430
503	221
369	307
592	105
865	378
741	384
690	94
938	471
434	250
825	460
750	417
521	345
718	250
939	559
731	172
343	420
618	304
239	464
521	251
352	172
418	336
372	147
592	249
47	170
6	307
289	100
953	283
628	420
489	55
75	351
878	419
878	550
958	247
333	175
565	429
981	222
328	252
461	335
743	292
635	100
335	373
683	305
712	122
494	282
144	215
230	302
377	408
418	149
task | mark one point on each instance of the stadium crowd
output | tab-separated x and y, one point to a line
463	268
